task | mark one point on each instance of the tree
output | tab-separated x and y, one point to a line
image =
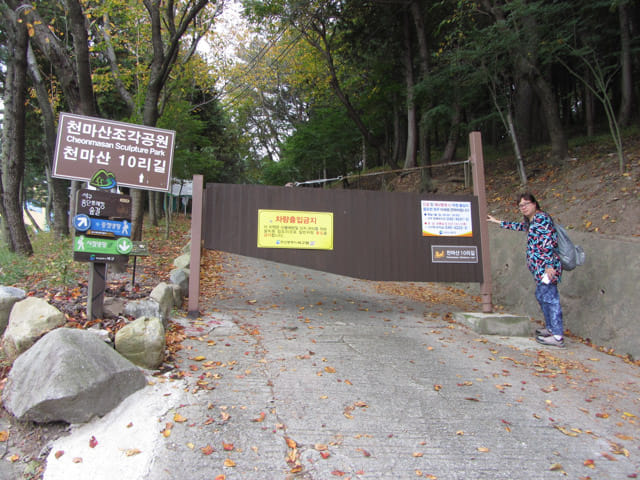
13	140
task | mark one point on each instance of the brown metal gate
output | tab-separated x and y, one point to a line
376	235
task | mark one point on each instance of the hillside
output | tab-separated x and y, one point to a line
587	193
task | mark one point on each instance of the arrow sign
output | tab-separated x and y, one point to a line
82	222
102	226
105	227
107	246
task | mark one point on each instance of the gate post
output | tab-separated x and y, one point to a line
477	165
196	246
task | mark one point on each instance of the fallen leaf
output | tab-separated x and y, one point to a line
291	443
260	417
418	454
179	418
227	446
208	450
77	460
321	447
437	387
566	432
555	467
221	477
131	452
325	455
483	449
4	435
93	443
589	463
199	358
58	454
229	463
329	369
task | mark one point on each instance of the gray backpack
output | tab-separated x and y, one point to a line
570	255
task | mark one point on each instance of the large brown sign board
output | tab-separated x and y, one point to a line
376	235
133	155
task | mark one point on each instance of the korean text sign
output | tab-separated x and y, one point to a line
136	155
295	229
446	219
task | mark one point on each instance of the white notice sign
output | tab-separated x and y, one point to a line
446	219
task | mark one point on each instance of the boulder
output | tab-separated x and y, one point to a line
145	307
182	261
180	277
113	306
163	294
8	297
77	376
29	320
142	342
177	295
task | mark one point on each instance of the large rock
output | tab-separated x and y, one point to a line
182	261
8	297
180	277
145	307
142	342
29	320
69	375
177	295
163	294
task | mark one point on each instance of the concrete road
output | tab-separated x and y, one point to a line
292	373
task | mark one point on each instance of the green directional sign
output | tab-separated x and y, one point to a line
108	246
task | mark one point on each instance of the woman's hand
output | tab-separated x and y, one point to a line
551	272
491	218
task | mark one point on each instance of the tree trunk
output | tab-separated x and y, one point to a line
13	138
57	188
626	87
153	211
454	132
398	135
424	147
559	143
412	127
162	62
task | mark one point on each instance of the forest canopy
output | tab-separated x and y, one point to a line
291	90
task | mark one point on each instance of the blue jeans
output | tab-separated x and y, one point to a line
549	300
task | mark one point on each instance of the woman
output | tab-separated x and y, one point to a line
543	262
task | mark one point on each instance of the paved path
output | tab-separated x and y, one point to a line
292	373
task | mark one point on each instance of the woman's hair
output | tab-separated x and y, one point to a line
528	196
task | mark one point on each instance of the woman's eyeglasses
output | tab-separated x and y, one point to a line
524	204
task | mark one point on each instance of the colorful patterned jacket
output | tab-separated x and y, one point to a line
542	240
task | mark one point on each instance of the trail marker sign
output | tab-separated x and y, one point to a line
99	150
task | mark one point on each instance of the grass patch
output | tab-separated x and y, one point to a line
51	264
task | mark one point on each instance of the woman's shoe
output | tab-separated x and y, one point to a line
551	341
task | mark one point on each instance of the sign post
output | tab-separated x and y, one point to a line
477	164
106	154
103	228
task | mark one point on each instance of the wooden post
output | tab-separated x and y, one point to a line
477	165
196	246
95	295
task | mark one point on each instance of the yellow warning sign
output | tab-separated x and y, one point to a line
295	229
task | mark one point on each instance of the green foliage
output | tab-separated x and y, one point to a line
13	267
50	265
327	145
